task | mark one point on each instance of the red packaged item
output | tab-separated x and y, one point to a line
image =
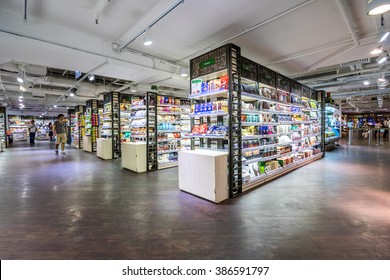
224	82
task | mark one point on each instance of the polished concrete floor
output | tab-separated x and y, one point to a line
80	207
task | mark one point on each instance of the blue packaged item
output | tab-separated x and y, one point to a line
209	106
201	108
205	87
196	109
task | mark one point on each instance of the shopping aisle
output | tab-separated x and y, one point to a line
80	207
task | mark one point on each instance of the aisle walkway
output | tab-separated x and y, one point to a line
80	207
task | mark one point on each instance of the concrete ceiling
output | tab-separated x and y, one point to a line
319	42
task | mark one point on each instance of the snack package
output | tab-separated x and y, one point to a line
205	87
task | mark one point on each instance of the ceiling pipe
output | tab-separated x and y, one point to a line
248	30
345	12
25	11
342	95
82	79
113	58
135	37
100	8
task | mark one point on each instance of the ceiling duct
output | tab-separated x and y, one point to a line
39	95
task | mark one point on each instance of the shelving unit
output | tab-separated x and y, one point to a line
266	123
3	127
18	126
173	125
216	108
79	128
290	131
125	118
91	125
332	124
111	122
71	126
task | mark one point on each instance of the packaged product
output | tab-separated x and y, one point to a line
196	86
205	87
224	83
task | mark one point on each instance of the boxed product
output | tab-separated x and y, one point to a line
196	86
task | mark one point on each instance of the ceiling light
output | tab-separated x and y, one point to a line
183	72
21	106
377	51
147	38
377	7
20	79
72	92
55	106
382	78
366	83
382	36
20	100
21	96
22	88
381	58
91	77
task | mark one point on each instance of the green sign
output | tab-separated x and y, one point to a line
208	62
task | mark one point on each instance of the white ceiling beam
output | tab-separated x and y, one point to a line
286	12
347	16
307	52
341	51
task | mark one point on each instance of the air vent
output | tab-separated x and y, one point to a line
39	95
355	62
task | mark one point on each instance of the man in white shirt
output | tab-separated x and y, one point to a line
33	130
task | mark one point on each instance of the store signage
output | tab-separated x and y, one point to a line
208	62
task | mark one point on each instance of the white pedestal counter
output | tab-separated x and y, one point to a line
87	143
204	174
104	148
134	156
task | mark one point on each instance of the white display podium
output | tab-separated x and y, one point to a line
87	143
134	156
104	148
204	174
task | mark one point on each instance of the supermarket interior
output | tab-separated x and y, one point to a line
194	139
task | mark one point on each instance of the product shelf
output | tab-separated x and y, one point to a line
167	152
168	164
208	136
169	113
248	137
248	161
210	114
208	95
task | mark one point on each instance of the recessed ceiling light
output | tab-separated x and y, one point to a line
55	106
366	83
91	77
20	79
22	88
71	94
183	72
148	38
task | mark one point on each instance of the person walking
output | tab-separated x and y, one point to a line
59	130
32	130
51	131
386	125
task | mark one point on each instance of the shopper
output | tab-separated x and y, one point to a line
32	130
377	127
50	131
386	126
59	130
